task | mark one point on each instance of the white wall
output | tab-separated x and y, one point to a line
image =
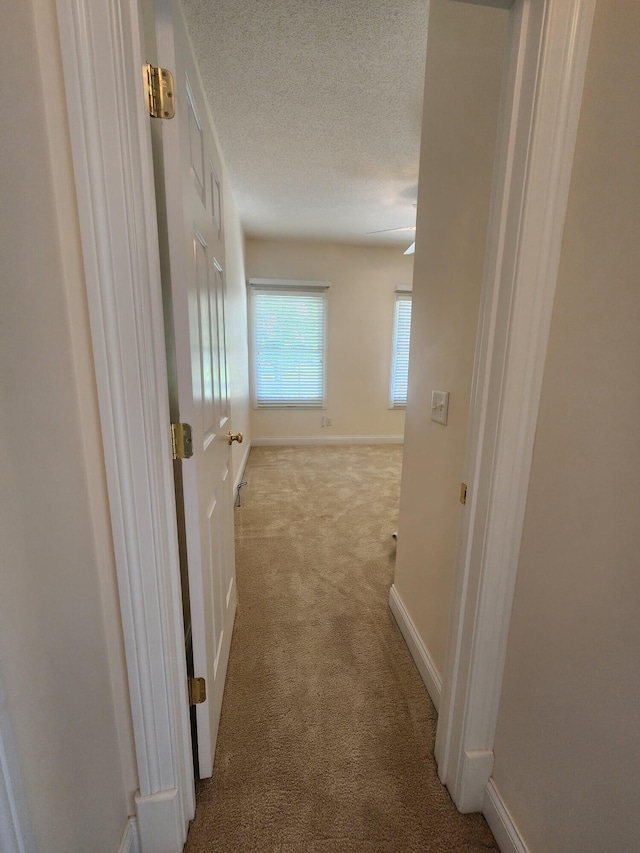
465	51
359	334
567	747
61	652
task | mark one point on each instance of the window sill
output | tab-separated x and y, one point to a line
285	406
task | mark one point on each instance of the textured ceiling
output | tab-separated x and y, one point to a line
318	106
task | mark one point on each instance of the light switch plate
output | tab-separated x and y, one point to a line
439	406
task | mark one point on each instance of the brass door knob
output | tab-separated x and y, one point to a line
235	436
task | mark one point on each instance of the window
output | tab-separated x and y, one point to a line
400	353
289	321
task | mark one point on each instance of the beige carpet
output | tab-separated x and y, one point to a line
326	737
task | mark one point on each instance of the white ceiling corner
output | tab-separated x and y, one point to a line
318	106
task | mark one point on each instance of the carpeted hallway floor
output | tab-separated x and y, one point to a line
327	732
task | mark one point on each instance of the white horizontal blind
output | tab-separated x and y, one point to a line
288	347
400	355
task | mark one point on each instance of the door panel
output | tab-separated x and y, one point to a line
196	140
195	272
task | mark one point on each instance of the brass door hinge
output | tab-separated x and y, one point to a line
181	441
197	691
463	493
160	92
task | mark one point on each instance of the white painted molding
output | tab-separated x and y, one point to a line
422	659
477	765
501	823
15	831
130	842
327	439
538	126
159	822
111	150
241	469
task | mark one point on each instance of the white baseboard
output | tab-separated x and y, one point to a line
130	842
242	467
327	439
501	823
426	667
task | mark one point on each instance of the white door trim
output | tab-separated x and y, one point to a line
111	150
536	140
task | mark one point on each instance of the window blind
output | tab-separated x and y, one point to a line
288	339
400	356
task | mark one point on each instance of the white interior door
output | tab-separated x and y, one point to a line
193	255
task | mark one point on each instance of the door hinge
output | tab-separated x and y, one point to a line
197	691
181	441
159	90
463	493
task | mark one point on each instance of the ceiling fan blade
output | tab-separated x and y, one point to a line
389	230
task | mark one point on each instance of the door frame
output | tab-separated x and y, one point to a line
112	160
541	99
113	173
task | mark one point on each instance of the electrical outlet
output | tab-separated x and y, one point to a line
326	422
439	406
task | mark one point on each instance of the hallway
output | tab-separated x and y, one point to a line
326	736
